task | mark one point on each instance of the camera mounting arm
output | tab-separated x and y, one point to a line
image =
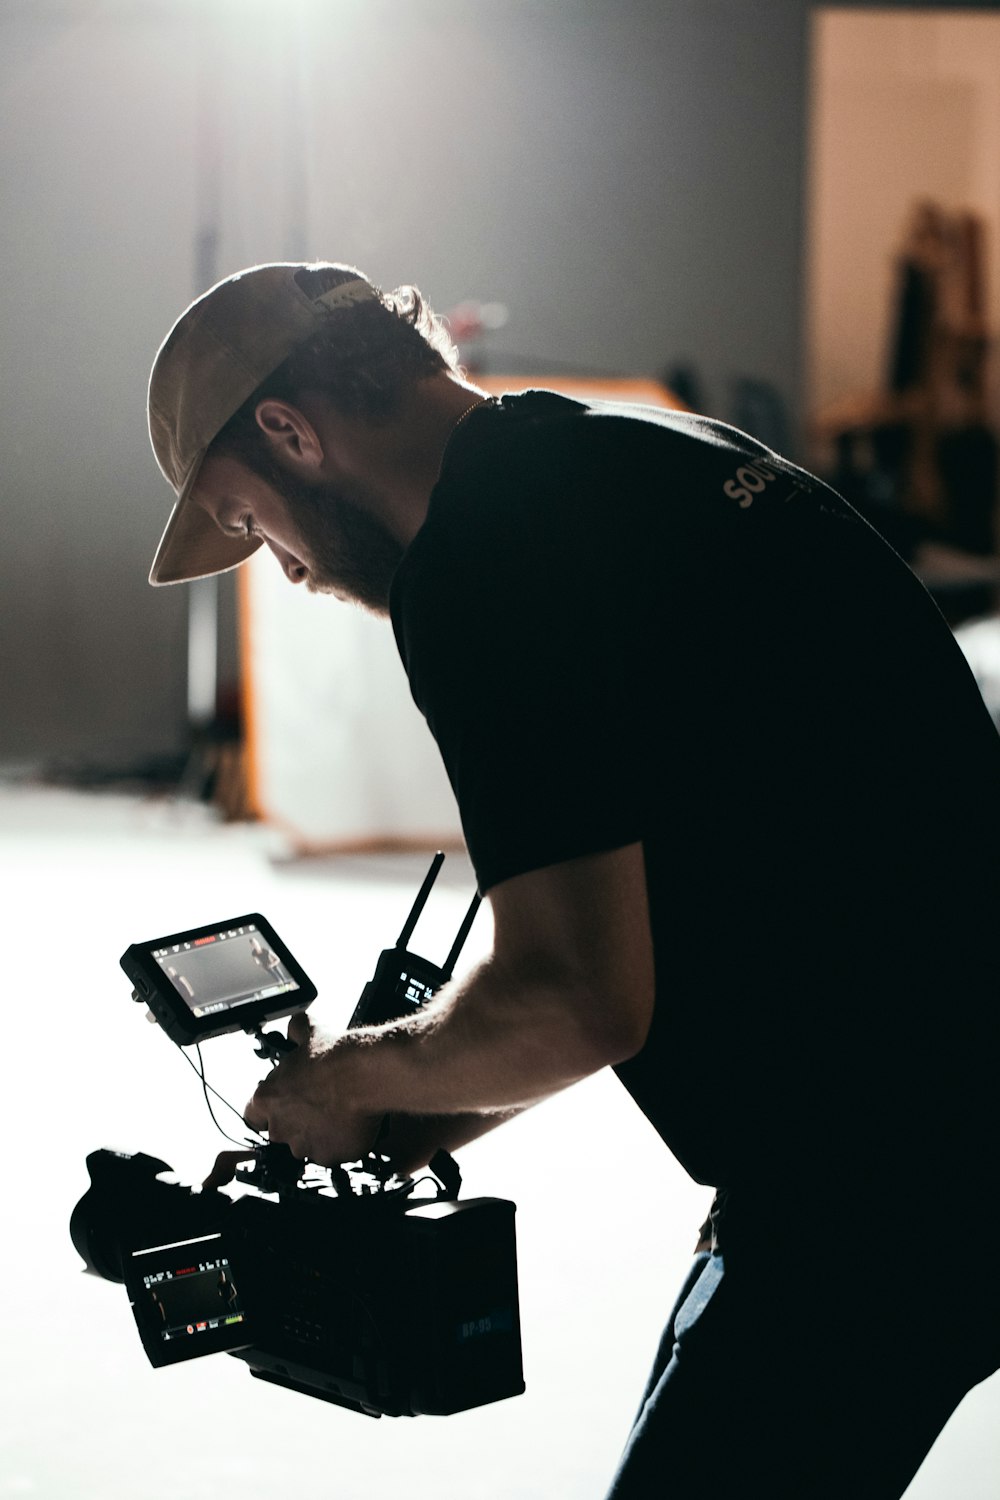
271	1044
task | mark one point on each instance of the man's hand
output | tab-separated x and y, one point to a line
297	1103
225	1168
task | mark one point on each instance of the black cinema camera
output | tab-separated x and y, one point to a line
344	1282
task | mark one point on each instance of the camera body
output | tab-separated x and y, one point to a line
367	1296
342	1283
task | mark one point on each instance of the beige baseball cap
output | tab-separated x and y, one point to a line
213	359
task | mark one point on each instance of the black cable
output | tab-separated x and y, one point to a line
207	1088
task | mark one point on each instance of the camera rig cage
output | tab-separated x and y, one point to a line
342	1283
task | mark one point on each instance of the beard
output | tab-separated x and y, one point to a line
347	550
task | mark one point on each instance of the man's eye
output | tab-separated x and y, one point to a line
249	530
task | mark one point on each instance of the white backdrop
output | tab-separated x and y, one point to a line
339	754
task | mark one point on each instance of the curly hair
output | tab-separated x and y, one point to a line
362	360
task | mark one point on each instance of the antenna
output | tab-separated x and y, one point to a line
403	940
461	935
421	900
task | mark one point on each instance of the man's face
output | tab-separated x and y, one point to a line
320	536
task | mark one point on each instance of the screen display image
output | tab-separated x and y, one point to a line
186	1300
223	970
412	992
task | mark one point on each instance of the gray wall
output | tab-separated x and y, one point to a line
627	178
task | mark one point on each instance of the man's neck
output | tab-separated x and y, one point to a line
395	465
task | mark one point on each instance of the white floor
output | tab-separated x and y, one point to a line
606	1219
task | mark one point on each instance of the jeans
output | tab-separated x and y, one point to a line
818	1369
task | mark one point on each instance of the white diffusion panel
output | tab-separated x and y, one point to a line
339	754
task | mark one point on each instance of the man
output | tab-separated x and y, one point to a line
734	800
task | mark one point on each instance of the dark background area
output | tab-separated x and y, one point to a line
627	180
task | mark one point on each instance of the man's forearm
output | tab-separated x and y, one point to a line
568	989
497	1040
410	1141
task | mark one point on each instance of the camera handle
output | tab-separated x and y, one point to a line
447	1172
271	1169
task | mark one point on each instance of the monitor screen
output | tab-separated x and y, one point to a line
223	977
186	1300
225	969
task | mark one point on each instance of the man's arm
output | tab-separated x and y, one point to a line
410	1141
567	990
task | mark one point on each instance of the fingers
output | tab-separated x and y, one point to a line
260	1107
255	1114
225	1168
282	1104
300	1029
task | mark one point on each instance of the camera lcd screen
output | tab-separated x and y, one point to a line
186	1300
223	977
224	969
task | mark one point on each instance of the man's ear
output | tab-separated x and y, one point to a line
290	435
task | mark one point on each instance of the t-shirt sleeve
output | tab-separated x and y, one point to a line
516	656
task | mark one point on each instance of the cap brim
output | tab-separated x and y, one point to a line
192	546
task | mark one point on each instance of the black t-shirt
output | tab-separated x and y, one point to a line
629	625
